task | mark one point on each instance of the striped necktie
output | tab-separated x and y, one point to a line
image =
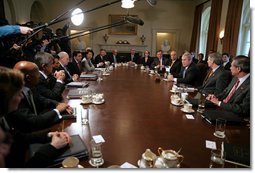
226	100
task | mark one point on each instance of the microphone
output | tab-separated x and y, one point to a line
152	2
134	20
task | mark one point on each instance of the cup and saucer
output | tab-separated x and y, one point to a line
86	99
98	99
187	108
177	102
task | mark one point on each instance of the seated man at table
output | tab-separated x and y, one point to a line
132	58
159	63
236	97
64	60
189	73
49	86
34	112
217	78
101	59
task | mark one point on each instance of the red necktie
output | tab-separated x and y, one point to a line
231	92
78	64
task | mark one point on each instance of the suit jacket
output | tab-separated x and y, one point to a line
136	58
111	59
176	67
156	62
50	90
227	66
25	120
148	62
99	59
73	68
68	76
191	75
239	103
216	83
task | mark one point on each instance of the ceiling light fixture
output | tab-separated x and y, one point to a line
77	17
127	4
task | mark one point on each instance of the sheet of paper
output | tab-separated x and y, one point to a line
127	165
190	117
210	144
98	139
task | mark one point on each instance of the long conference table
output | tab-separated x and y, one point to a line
137	114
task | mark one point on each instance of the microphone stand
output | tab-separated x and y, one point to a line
81	33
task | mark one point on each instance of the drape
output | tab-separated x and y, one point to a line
232	27
214	25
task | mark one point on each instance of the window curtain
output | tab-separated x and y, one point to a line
214	25
232	27
196	27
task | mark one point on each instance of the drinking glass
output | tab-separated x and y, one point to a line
201	104
220	128
96	157
217	159
84	117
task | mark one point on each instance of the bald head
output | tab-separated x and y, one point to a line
30	71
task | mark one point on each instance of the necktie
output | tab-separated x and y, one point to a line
132	57
231	92
172	63
209	74
79	67
31	100
184	72
66	70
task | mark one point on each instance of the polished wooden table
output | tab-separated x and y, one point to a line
137	114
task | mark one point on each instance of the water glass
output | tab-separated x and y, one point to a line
217	159
84	117
201	105
96	157
220	128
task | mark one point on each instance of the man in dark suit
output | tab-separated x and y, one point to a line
159	63
175	63
75	67
115	58
217	78
63	61
30	116
49	86
236	97
132	57
189	73
100	59
226	61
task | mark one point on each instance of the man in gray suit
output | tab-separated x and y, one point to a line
236	97
217	79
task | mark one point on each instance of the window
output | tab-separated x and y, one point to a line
204	30
244	39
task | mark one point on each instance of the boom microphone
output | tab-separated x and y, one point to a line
152	2
134	20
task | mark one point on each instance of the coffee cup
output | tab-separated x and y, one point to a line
70	162
142	67
86	98
152	72
187	107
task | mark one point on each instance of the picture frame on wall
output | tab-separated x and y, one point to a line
126	29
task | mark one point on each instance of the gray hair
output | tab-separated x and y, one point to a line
187	54
216	57
42	58
62	54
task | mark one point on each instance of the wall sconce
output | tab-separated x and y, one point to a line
105	38
221	36
143	38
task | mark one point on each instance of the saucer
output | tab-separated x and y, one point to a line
174	91
79	166
219	136
176	104
85	103
90	162
165	80
113	166
106	74
98	103
187	111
